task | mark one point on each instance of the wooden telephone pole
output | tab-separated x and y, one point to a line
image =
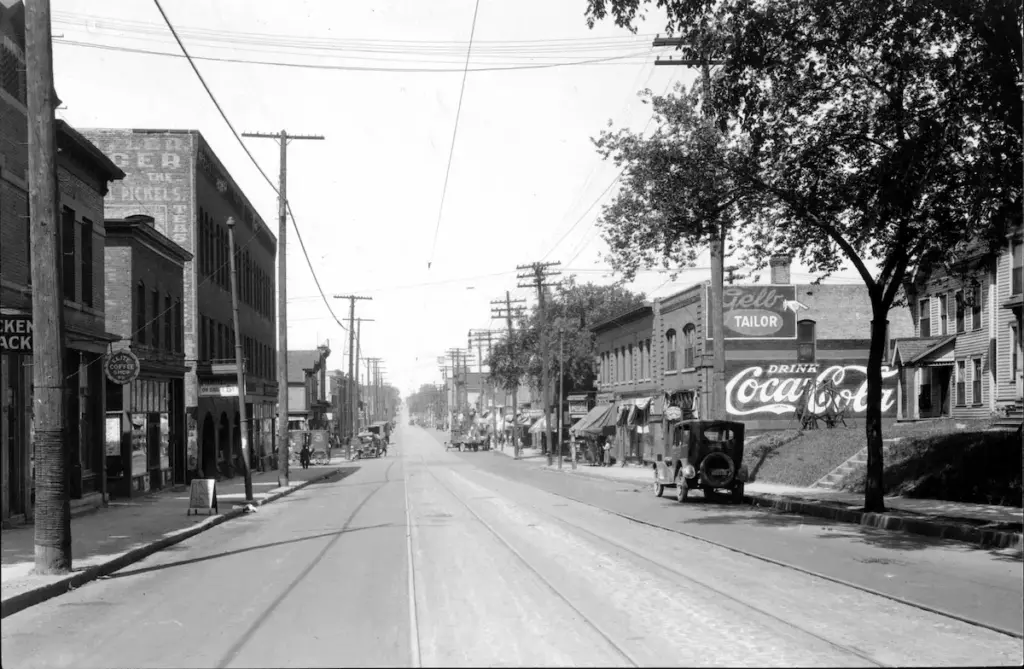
243	420
717	246
503	309
481	336
352	366
52	484
536	276
282	300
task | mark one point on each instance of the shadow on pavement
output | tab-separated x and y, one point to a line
756	518
135	572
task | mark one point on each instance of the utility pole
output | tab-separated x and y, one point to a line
352	366
359	349
536	276
282	138
716	395
373	411
561	389
503	309
53	484
243	420
481	336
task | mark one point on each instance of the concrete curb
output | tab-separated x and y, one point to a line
925	526
29	598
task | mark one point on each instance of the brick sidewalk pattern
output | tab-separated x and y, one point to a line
127	530
989	525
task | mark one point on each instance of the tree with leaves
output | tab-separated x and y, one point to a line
573	308
885	136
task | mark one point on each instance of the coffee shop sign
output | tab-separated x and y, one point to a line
778	389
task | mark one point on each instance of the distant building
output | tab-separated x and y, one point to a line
782	340
84	175
308	398
175	177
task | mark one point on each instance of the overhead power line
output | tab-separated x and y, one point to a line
245	148
625	59
455	133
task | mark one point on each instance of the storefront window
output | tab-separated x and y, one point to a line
165	442
140	462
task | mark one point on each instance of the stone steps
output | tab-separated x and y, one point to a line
835	478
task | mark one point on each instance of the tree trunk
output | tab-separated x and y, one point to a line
874	493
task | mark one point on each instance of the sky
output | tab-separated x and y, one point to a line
525	183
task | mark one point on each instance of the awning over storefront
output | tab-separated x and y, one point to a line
596	420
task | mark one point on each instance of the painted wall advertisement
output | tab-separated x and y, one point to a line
769	391
758	312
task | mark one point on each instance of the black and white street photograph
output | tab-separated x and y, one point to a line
480	333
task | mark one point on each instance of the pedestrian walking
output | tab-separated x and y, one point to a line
304	456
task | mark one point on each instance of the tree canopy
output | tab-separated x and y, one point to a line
840	130
573	308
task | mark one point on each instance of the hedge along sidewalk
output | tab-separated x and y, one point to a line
987	525
128	530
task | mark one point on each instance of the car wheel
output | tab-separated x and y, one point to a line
682	490
659	489
737	493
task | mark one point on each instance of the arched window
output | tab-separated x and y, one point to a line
806	340
140	313
670	351
689	345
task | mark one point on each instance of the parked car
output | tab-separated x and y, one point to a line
703	454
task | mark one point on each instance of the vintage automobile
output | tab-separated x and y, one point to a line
705	454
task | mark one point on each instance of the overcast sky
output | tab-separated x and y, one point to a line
525	181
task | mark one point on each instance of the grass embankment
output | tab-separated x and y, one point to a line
966	465
791	457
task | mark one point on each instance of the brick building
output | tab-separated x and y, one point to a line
964	359
83	174
145	436
174	176
781	340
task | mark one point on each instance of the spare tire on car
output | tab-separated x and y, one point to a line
718	470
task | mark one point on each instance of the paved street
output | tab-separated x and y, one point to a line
508	570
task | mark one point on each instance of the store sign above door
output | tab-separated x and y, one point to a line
758	312
122	367
16	334
215	390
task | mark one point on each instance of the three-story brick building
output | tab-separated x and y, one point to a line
175	177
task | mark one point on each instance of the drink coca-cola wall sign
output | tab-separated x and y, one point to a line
770	390
758	312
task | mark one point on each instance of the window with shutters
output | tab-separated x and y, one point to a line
976	382
961	383
168	314
87	260
924	318
156	319
943	314
976	304
67	243
140	313
958	297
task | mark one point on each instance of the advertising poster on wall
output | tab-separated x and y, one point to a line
165	442
758	312
139	444
769	391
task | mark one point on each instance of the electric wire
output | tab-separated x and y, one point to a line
455	133
608	60
245	148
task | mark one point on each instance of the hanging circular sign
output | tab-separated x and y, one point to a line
122	367
673	413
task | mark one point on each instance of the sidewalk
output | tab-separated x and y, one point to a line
127	530
989	525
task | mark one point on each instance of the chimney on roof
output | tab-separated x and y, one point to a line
781	265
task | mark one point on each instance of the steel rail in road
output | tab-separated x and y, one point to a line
551	586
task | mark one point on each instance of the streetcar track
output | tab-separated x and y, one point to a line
236	648
701	584
863	588
526	563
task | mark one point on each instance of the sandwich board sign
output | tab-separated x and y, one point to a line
203	495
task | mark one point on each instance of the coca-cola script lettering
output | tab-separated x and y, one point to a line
780	389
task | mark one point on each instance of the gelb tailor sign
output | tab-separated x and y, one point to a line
780	389
758	312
